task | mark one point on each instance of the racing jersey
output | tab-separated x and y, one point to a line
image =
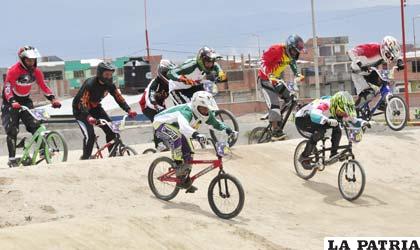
91	94
182	117
274	61
319	112
19	82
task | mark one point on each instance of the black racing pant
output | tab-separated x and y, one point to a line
11	117
88	130
318	132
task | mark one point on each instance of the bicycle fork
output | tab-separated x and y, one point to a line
220	183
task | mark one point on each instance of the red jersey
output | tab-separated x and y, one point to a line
19	82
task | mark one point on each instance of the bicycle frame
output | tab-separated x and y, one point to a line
115	143
386	93
347	152
213	165
37	138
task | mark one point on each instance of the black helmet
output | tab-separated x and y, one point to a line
163	68
102	67
206	54
294	43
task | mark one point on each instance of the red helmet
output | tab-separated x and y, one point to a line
28	52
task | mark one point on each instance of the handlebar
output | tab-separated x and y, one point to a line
38	114
115	126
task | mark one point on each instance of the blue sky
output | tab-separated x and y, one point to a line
74	29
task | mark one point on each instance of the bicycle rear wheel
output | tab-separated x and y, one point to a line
396	113
226	196
57	148
259	135
300	171
351	180
229	119
163	190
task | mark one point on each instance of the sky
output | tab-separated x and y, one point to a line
75	29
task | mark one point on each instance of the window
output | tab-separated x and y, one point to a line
337	49
53	75
413	66
79	74
120	71
325	51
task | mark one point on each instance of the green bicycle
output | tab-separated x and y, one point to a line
44	144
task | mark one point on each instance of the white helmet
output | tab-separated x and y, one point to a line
204	99
27	52
390	49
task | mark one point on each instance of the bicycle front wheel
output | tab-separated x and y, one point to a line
57	148
229	119
163	190
226	196
127	151
259	135
396	113
351	180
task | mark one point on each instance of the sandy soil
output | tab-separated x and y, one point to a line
107	204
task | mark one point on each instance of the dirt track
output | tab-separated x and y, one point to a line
106	204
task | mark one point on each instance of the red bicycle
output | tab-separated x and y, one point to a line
115	147
225	193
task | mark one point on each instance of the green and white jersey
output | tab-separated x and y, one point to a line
183	118
191	70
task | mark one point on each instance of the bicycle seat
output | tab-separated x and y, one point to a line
265	117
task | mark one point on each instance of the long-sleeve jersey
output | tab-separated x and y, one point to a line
19	82
91	94
191	69
319	112
368	55
157	91
274	61
183	118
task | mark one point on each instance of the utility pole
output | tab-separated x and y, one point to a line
103	45
315	48
147	33
407	97
259	47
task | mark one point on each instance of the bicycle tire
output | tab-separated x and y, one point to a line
343	170
123	150
388	112
259	135
300	171
219	114
211	192
151	180
52	144
149	151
